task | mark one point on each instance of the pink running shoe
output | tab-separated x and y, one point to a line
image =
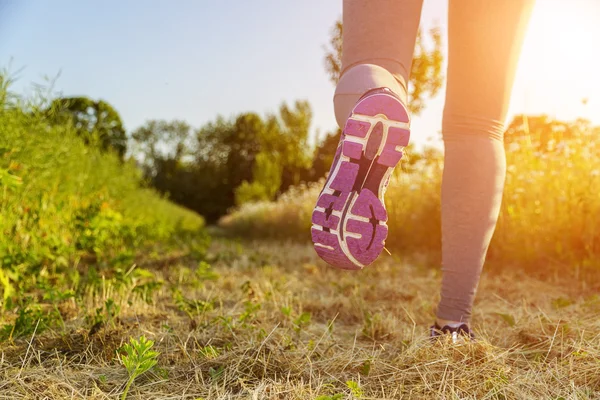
349	221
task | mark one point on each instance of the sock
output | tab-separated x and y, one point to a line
355	82
453	324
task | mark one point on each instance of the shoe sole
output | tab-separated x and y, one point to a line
349	222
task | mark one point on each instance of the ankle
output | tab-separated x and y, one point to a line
453	324
358	80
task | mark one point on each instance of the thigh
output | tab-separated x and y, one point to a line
485	39
381	32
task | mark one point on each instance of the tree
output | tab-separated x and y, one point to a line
161	140
323	155
292	143
226	159
231	145
426	76
97	122
282	158
426	71
333	55
232	161
266	180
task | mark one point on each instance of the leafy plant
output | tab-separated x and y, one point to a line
204	272
250	309
301	322
355	389
209	351
508	318
191	306
216	373
138	359
30	319
104	315
365	369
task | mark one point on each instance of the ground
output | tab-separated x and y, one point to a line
269	320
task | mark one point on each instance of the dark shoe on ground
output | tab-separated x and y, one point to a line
459	334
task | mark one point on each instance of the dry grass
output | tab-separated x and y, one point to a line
548	219
537	339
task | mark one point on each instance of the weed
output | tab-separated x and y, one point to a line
216	373
204	272
302	321
138	359
209	352
355	389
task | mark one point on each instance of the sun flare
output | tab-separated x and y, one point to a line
559	68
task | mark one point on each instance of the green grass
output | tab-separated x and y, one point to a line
109	291
73	218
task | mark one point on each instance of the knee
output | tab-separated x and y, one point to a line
456	125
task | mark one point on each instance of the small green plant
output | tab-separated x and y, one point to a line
30	319
366	368
508	318
355	389
561	302
287	311
301	322
139	358
104	315
198	245
55	297
375	326
112	310
215	374
330	326
225	321
205	272
145	284
189	306
209	351
250	309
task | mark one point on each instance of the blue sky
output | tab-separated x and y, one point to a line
193	60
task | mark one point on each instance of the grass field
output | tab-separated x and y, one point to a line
547	222
266	320
109	291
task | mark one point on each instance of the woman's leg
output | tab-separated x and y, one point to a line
378	45
485	39
349	219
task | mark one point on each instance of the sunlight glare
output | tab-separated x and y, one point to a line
559	69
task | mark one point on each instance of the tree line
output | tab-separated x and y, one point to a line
249	157
231	161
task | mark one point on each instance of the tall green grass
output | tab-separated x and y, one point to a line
548	222
67	208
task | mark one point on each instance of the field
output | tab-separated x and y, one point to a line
547	224
270	321
110	291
